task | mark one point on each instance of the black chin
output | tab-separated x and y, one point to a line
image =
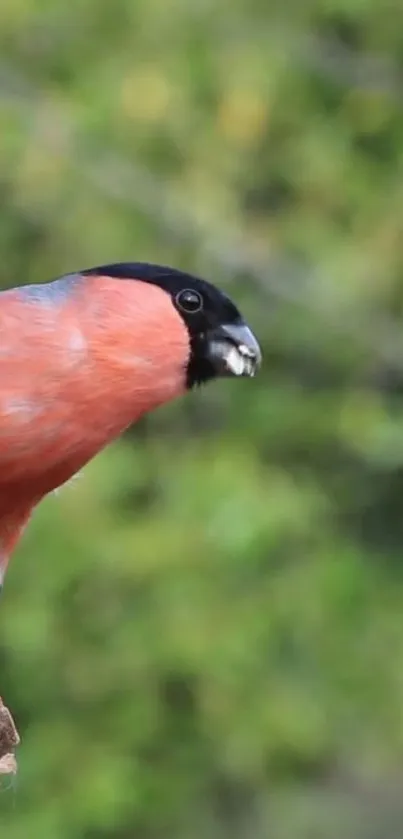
199	371
200	368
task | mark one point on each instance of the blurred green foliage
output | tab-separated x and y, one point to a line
202	636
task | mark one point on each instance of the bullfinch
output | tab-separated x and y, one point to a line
85	356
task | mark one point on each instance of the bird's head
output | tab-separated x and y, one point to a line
220	343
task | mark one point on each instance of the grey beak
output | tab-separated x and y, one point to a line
234	350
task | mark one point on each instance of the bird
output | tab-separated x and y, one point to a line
84	356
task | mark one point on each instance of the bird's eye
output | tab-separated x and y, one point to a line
189	301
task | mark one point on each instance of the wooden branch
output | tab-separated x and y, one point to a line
9	739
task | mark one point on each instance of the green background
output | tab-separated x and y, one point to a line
202	636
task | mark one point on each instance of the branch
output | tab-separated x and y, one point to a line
9	739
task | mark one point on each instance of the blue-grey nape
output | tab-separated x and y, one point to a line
52	292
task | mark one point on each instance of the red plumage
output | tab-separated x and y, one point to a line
87	355
75	371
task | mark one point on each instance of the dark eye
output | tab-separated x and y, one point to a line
189	301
